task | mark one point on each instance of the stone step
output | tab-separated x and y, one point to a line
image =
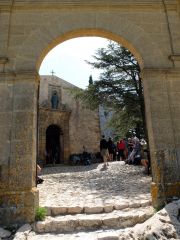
106	208
110	234
88	222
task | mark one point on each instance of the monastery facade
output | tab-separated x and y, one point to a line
66	128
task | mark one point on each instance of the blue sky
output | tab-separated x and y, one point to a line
67	60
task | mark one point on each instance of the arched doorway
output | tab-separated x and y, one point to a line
54	145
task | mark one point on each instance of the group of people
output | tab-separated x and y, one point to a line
132	151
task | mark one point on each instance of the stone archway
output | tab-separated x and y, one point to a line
29	30
60	119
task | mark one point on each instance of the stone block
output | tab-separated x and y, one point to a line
58	210
126	223
93	209
111	221
4	233
13	207
39	227
108	208
24	118
66	225
4	151
55	226
5	118
23	232
22	148
89	222
145	203
48	211
49	225
20	180
6	104
23	131
108	236
6	91
23	103
142	216
3	174
134	204
120	206
24	89
75	210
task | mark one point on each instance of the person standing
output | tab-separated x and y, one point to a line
111	149
135	156
104	150
121	146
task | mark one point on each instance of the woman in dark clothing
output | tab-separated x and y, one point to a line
111	149
104	150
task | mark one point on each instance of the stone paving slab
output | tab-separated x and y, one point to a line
96	235
66	187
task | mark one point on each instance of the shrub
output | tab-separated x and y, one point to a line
40	214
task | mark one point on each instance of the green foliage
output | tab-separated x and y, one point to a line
87	96
90	80
124	123
40	214
118	88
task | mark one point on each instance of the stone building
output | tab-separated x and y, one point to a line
65	126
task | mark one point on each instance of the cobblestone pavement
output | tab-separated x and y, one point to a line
92	185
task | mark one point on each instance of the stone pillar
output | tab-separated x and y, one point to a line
162	100
18	128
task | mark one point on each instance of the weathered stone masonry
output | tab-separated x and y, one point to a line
80	126
29	29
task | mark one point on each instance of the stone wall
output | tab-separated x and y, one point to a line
162	98
18	119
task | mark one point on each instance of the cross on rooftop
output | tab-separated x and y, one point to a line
52	72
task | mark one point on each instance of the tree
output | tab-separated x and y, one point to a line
119	88
90	80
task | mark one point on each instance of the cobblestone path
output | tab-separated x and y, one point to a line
91	185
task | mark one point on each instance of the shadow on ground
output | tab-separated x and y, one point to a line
62	168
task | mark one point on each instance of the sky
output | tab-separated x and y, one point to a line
67	60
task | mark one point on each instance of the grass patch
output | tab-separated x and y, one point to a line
40	214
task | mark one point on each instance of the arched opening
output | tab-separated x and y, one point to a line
54	146
83	34
81	134
90	33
